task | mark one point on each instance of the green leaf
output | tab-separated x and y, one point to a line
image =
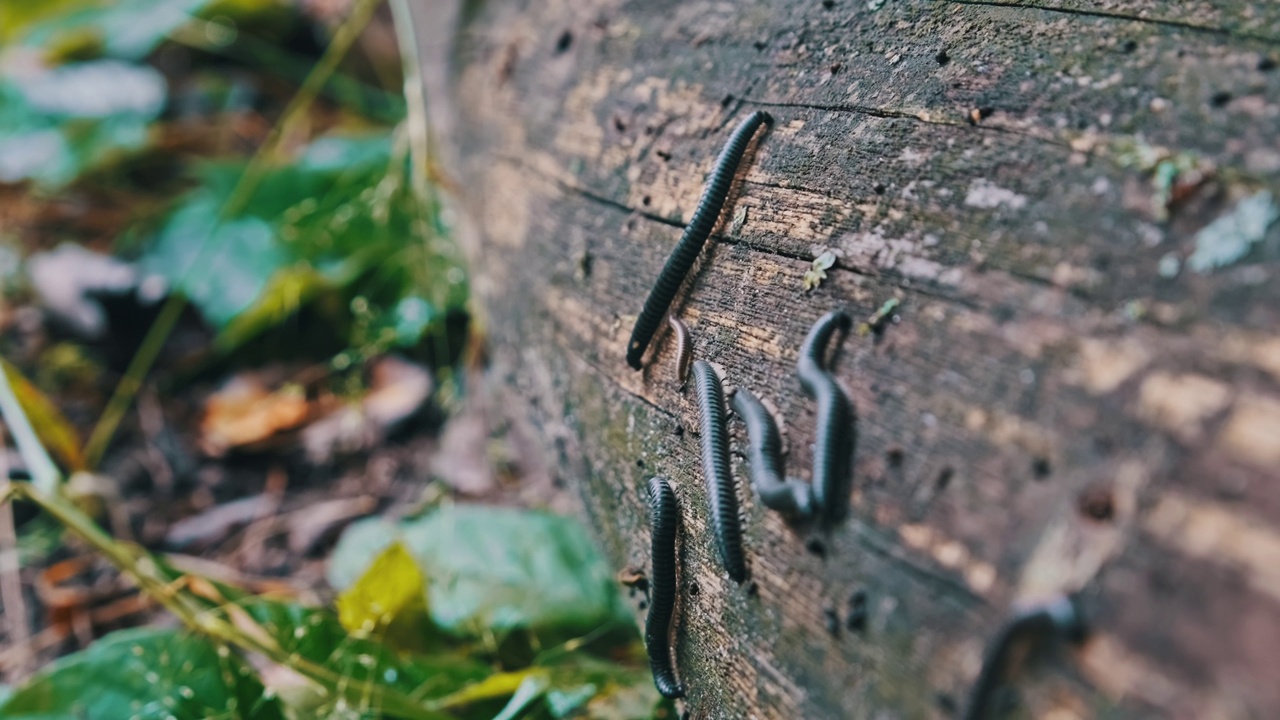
128	29
339	223
146	674
55	124
367	663
221	267
496	570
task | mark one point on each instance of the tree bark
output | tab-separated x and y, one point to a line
1067	400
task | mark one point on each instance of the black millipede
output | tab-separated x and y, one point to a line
721	489
1060	617
835	436
695	236
663	517
684	348
793	498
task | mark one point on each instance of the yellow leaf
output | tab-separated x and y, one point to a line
51	426
498	685
390	597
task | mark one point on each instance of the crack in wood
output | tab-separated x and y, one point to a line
1124	17
891	114
888	276
895	552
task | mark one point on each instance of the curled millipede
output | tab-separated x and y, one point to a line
721	489
684	348
663	517
1060	617
793	498
694	237
835	436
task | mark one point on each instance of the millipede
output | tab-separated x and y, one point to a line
721	490
663	518
695	236
1060	617
793	498
835	437
684	348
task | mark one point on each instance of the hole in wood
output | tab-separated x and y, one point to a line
857	620
1041	468
941	482
832	621
564	41
895	455
1097	503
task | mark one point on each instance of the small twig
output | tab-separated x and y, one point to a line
262	527
151	419
15	605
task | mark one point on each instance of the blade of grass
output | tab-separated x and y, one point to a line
188	608
44	474
125	391
371	101
414	95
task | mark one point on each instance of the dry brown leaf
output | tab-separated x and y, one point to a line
245	413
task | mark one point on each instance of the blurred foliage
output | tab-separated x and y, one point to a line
148	674
551	579
465	612
57	123
128	29
494	571
341	221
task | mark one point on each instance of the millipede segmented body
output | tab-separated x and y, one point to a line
694	237
721	489
684	348
793	498
1059	617
834	438
663	518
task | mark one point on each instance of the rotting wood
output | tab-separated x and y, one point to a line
1054	408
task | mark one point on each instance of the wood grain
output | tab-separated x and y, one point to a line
1052	409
